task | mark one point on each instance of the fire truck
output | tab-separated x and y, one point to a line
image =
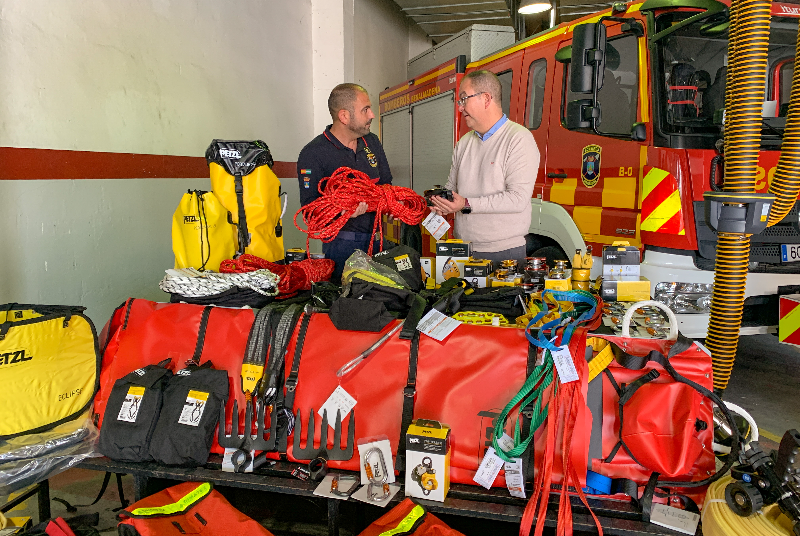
625	155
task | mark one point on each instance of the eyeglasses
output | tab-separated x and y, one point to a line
463	100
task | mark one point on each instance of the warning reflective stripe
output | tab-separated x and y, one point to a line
408	522
661	203
177	507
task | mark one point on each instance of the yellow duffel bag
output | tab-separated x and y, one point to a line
49	366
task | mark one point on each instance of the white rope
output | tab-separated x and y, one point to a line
194	284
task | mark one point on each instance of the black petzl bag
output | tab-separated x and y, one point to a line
189	415
132	413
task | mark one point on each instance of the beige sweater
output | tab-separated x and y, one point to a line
497	177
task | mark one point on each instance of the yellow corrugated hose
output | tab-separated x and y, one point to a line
719	519
744	97
786	184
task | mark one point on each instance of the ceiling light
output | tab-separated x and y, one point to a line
534	6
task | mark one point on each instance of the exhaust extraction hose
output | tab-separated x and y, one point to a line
744	96
786	184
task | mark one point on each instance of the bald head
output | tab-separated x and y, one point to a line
486	82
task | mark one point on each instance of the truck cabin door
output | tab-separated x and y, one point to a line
595	174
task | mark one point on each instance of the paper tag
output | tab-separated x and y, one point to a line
437	325
515	481
340	400
564	365
130	406
674	518
436	225
488	469
193	408
403	263
227	464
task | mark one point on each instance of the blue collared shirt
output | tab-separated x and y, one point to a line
495	128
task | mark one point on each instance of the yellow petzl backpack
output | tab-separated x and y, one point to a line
242	179
203	234
49	366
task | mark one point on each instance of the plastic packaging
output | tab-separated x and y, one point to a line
32	458
360	264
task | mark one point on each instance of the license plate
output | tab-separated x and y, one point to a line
790	252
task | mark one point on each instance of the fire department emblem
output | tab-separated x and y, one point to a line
590	165
373	161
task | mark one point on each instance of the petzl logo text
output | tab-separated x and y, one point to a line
12	358
229	153
190	219
488	422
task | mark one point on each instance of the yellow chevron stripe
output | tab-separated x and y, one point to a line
563	193
662	214
653	179
608	240
588	219
642	163
789	323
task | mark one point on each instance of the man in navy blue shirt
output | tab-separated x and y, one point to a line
347	142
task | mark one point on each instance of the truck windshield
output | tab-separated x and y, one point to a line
692	65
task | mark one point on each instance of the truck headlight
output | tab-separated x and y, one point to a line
685	298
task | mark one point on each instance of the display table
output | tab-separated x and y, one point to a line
617	518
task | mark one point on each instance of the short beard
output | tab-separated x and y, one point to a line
362	131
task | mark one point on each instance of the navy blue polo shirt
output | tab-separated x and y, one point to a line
325	154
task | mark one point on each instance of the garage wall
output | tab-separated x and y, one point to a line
384	39
159	77
162	77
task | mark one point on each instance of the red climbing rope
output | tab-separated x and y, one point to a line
343	191
294	277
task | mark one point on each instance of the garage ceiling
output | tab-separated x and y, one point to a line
442	18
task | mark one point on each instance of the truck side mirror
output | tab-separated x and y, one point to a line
639	132
580	114
586	65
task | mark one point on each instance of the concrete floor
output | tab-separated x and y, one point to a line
765	382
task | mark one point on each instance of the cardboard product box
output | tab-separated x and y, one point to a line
427	460
621	259
295	255
558	284
453	248
625	288
428	272
447	267
477	271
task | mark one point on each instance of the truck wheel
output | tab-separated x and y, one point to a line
551	253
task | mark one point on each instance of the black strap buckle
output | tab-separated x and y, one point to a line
409	391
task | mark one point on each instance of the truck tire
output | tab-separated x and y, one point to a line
551	253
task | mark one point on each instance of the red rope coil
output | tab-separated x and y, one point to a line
343	191
294	277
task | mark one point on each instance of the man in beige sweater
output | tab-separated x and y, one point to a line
493	173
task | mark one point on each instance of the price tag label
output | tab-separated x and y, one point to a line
341	401
564	365
489	469
674	518
437	325
436	225
515	480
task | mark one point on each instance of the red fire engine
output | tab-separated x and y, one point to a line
638	172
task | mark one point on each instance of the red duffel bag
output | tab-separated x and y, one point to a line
409	518
188	508
463	382
142	332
